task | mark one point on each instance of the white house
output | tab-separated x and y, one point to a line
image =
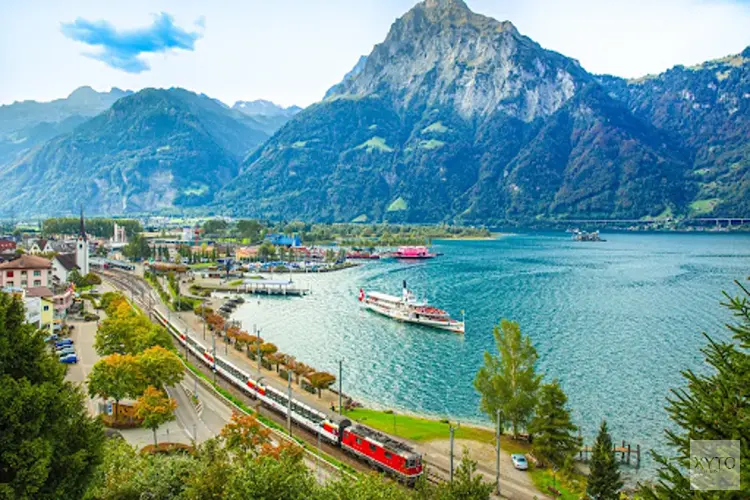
62	265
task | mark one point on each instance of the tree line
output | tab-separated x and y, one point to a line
99	227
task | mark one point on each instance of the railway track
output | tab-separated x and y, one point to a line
142	295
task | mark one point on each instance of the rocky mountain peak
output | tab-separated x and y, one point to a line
440	53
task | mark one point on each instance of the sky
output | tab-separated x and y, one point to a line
292	51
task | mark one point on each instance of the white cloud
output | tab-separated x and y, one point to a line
291	51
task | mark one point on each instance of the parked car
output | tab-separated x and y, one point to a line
69	359
66	351
51	337
519	461
63	342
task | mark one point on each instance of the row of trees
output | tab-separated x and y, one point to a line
100	227
269	353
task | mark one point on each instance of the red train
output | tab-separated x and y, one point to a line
379	450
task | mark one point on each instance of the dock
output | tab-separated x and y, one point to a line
265	287
625	452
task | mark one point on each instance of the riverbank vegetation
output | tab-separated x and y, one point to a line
360	235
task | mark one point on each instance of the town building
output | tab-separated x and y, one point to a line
82	249
119	235
62	265
41	246
6	245
26	271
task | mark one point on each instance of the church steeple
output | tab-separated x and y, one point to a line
82	249
82	232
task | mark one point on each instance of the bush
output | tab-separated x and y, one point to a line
90	317
92	279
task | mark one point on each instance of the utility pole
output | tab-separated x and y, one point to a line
317	460
340	384
497	453
258	342
451	476
204	320
186	344
289	401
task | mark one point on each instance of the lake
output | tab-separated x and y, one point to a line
614	321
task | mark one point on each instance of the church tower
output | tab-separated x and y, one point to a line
82	249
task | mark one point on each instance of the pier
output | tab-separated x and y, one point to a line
625	451
265	287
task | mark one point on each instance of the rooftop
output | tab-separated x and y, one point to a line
26	261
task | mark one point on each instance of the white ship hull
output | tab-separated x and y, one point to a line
408	316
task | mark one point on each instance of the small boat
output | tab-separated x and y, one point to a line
410	310
410	252
579	235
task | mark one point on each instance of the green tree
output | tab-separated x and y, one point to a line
509	383
155	408
250	229
115	377
466	485
604	480
159	367
49	446
215	227
266	251
714	406
75	277
138	248
554	434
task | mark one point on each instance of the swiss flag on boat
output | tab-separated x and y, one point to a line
361	295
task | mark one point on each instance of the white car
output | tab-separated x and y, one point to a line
519	461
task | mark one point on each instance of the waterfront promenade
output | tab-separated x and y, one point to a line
514	484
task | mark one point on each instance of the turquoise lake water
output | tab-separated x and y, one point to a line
615	322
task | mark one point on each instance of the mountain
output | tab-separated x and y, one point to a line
356	70
26	124
457	116
269	115
705	109
152	150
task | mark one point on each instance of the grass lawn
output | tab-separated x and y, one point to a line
424	429
544	478
202	265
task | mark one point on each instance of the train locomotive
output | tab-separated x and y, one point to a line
366	444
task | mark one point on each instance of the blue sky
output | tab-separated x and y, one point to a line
291	51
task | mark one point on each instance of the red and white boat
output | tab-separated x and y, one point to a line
410	310
413	253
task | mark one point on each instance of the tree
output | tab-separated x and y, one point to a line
155	408
266	251
215	227
275	359
138	248
554	434
604	480
115	377
299	369
268	348
466	485
321	380
245	434
714	406
75	277
509	383
249	229
160	367
49	446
